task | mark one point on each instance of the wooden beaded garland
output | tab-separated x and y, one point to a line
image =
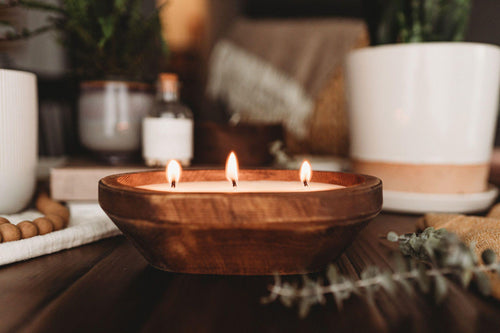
28	229
56	218
10	232
44	225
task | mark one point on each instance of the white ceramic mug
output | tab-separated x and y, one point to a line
423	115
18	139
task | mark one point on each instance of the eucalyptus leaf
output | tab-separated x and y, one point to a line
440	288
339	300
332	274
387	282
488	256
466	277
483	283
370	272
392	236
370	294
407	286
450	257
304	307
423	279
287	301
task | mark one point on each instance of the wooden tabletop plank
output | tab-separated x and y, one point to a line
108	286
26	287
92	299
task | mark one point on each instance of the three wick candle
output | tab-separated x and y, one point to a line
233	184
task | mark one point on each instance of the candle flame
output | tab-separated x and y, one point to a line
232	169
305	173
173	173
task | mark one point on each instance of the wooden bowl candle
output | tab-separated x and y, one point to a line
190	225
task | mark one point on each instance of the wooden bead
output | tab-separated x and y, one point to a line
10	232
62	212
57	221
48	206
28	229
3	220
44	225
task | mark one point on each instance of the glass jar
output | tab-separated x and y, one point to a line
110	117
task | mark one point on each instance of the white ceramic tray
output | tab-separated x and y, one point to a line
419	203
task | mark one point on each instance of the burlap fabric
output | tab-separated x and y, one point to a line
483	231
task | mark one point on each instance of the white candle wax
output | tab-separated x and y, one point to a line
260	186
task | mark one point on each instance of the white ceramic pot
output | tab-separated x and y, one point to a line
423	116
110	118
18	139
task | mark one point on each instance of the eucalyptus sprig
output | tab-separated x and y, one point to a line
423	263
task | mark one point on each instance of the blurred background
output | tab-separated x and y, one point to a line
192	29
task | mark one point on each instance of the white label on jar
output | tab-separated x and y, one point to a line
167	138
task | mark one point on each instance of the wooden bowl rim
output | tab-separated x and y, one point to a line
367	182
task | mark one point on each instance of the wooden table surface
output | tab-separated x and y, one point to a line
107	286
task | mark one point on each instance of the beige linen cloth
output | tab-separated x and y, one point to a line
88	223
484	231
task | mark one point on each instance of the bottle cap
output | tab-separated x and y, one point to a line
168	77
168	82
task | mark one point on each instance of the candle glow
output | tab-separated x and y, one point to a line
305	173
173	173
174	170
232	169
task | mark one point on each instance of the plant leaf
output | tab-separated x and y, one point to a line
107	28
483	283
440	288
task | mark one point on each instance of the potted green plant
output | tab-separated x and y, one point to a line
115	50
423	108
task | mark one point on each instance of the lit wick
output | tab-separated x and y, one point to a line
173	173
232	169
305	173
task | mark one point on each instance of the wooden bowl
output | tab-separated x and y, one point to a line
240	233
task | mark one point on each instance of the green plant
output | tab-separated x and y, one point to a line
429	257
103	38
408	21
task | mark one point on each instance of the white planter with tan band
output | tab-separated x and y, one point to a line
423	115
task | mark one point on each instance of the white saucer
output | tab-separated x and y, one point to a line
417	203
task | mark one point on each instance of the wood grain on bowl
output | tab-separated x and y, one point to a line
240	233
